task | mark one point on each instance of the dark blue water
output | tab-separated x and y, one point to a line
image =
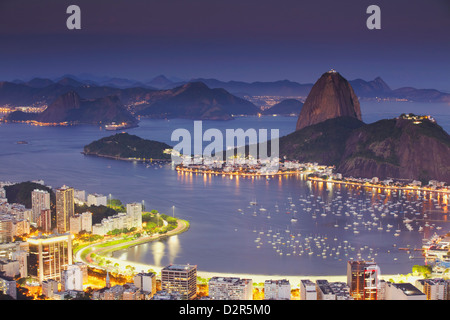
223	238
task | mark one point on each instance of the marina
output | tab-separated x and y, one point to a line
342	220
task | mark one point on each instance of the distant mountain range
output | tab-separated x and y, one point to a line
89	86
195	100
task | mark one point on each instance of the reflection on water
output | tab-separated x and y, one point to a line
174	247
220	237
157	248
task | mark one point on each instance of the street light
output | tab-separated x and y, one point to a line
173	211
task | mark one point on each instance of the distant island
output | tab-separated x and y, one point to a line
124	146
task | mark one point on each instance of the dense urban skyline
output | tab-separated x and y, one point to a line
233	40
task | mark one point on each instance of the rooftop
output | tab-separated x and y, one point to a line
179	267
408	289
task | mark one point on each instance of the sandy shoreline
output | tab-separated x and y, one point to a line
294	280
257	278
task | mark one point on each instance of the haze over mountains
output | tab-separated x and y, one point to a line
89	86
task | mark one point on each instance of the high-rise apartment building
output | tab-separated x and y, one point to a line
363	279
65	208
134	215
277	290
181	279
72	278
307	290
40	200
45	220
49	255
146	282
230	288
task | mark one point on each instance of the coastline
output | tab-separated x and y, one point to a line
123	159
374	186
256	278
259	278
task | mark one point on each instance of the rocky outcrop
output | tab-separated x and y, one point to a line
330	97
398	148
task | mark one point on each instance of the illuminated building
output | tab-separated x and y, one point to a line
362	278
277	290
130	219
9	268
403	291
11	226
81	222
8	286
72	278
96	200
49	288
49	255
332	291
6	229
308	290
230	288
40	200
16	251
45	220
434	289
181	279
134	215
146	282
65	208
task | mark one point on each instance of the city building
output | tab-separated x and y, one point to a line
11	226
49	288
230	288
96	200
181	279
332	291
8	286
86	221
79	196
45	220
18	251
65	208
40	200
72	278
308	290
131	219
146	282
134	213
9	268
164	295
49	255
277	290
81	222
6	234
434	289
403	291
362	278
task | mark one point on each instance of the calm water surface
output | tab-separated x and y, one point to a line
227	233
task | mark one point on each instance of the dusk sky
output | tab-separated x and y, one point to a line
243	40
